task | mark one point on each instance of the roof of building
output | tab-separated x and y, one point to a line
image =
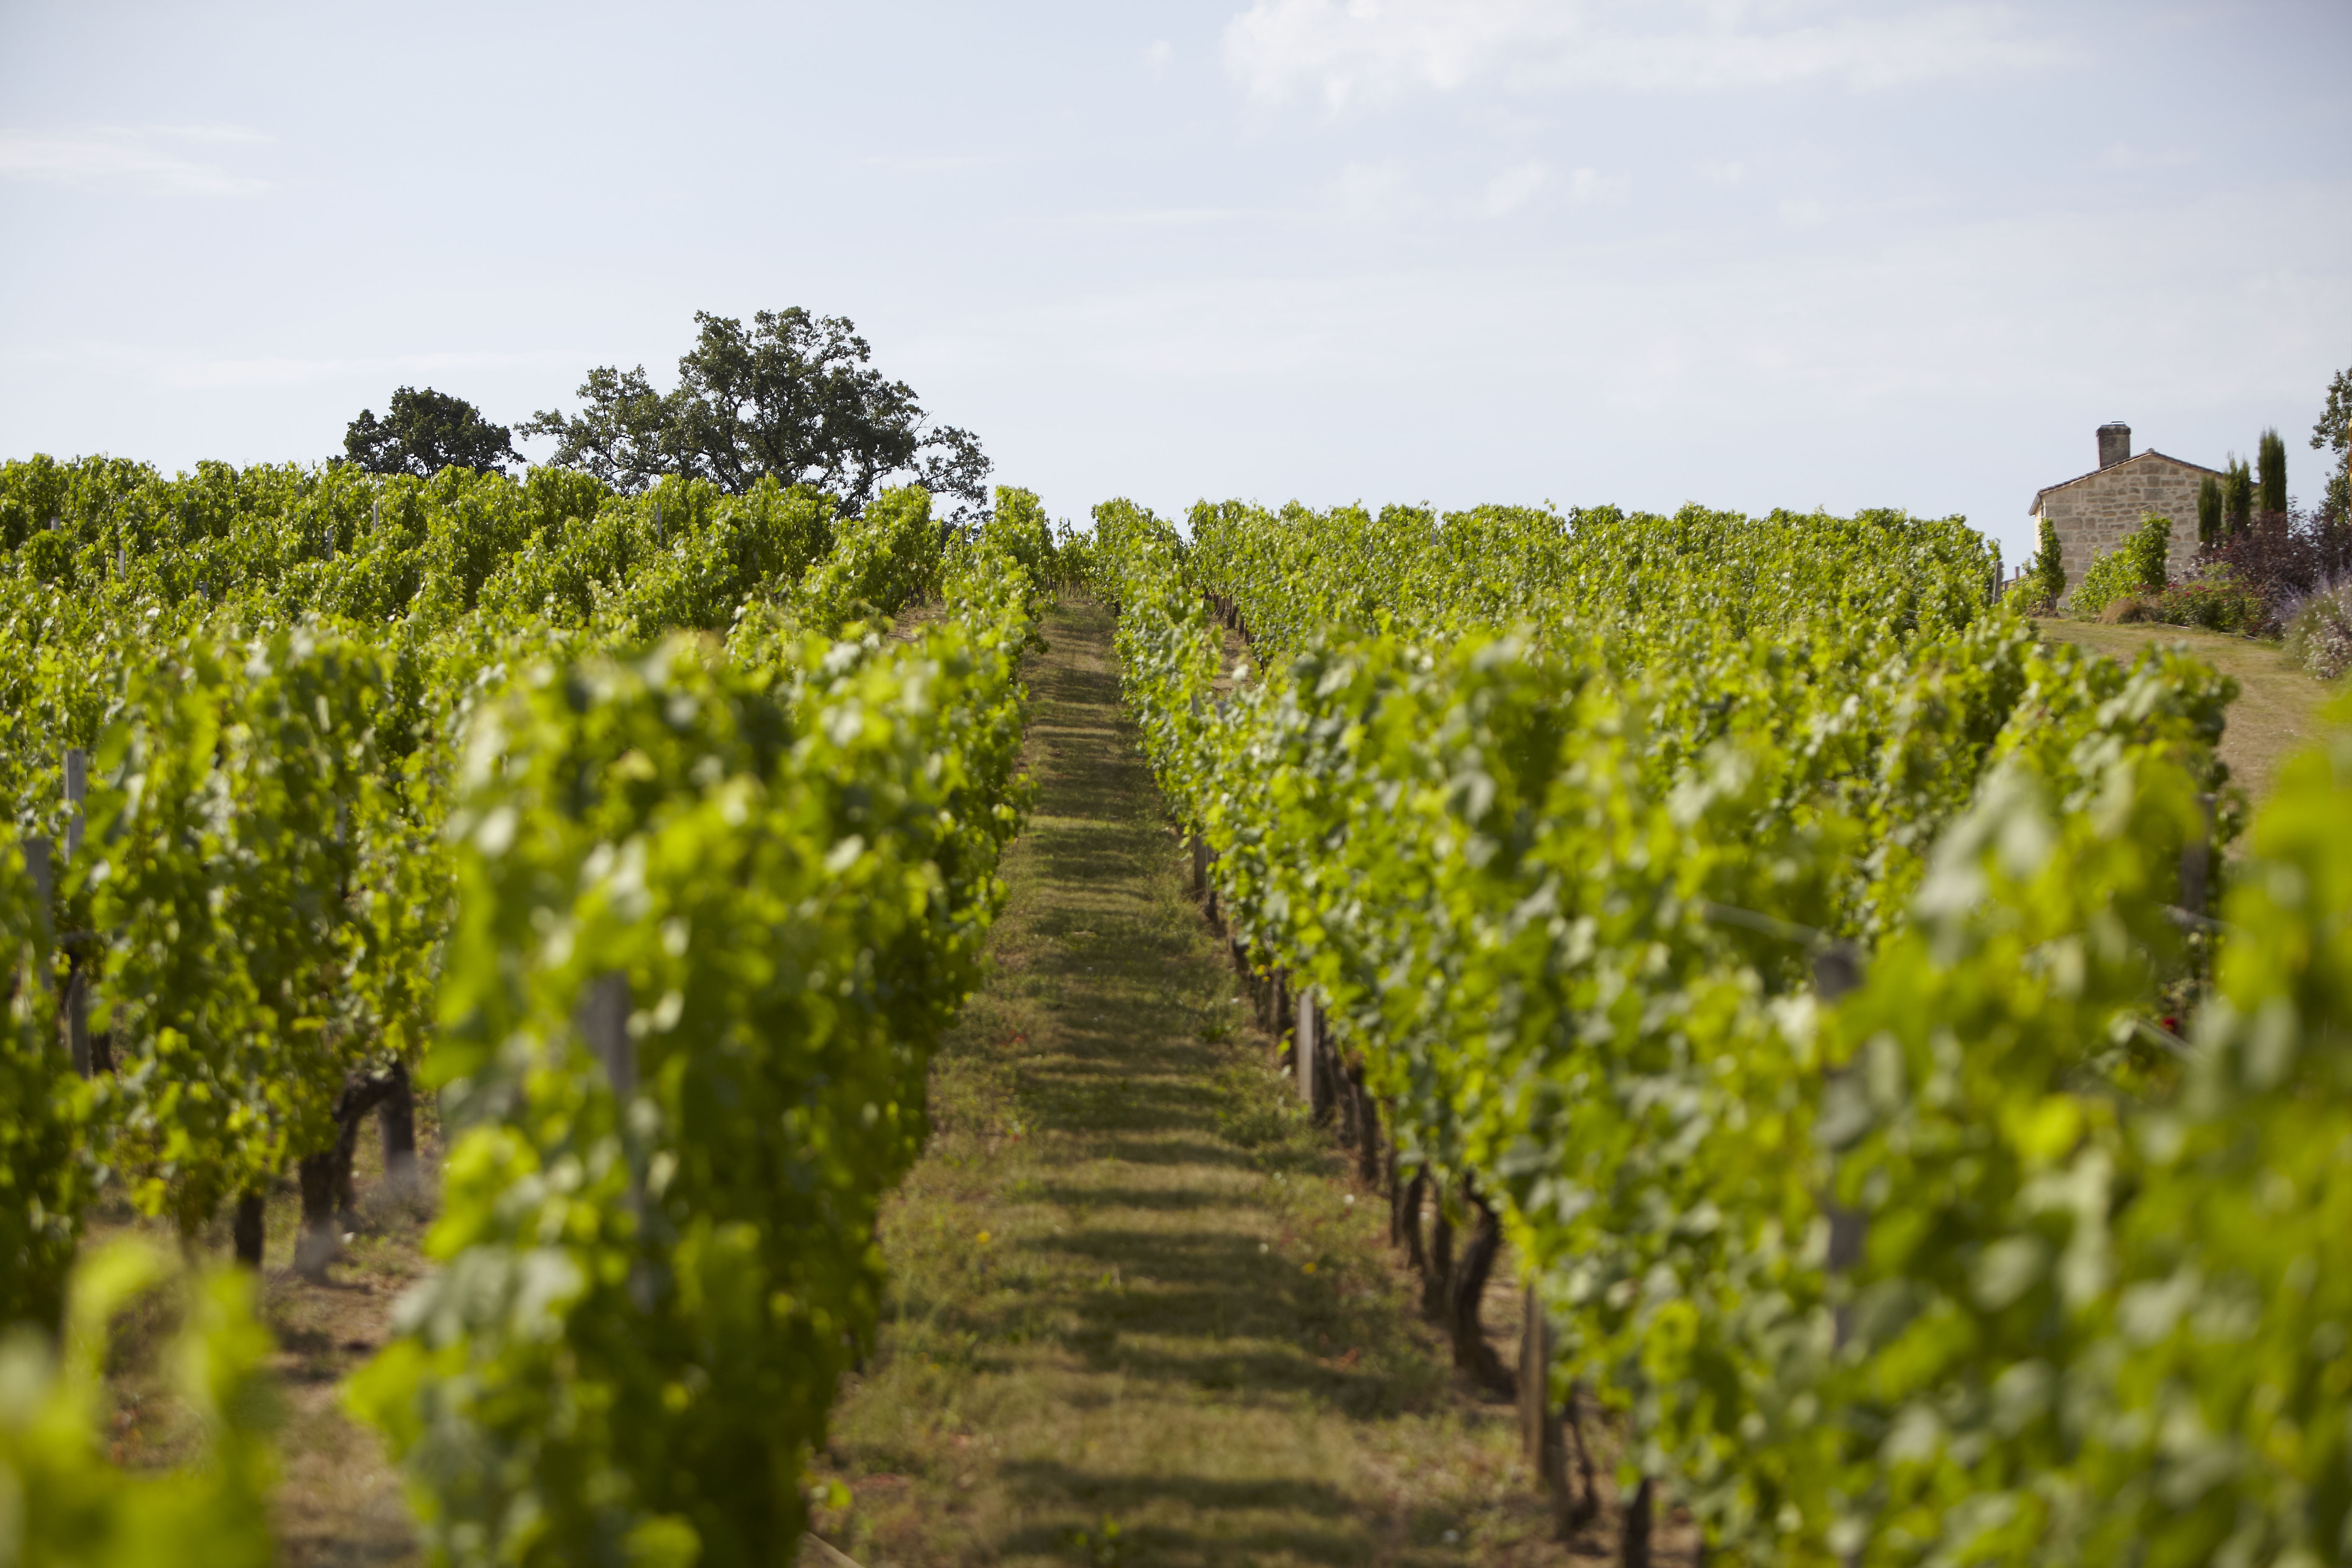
2111	468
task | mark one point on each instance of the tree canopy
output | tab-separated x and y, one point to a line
792	397
2333	432
424	432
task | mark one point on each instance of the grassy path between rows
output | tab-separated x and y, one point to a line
2280	709
1140	1312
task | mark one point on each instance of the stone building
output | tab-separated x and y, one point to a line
2093	513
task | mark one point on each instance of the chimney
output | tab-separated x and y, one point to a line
2114	443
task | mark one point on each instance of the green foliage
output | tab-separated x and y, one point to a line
227	808
2270	464
2215	601
654	1276
783	845
2089	1321
44	1173
2209	531
2049	565
2319	637
2333	432
1017	525
2137	565
65	1503
426	432
2040	588
1562	853
883	560
791	400
2237	498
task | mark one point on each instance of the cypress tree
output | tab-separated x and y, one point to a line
2209	511
2048	568
2238	498
2271	458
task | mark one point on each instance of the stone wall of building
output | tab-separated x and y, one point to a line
2093	514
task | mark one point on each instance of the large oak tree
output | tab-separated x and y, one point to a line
426	432
792	397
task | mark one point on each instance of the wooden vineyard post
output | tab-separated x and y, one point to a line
603	1022
397	1121
1634	1544
1541	1437
77	998
1837	971
1305	1030
37	867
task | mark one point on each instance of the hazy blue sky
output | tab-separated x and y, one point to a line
1748	254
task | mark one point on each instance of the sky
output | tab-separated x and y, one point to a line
1796	253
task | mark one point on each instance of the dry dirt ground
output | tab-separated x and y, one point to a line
2278	706
339	1501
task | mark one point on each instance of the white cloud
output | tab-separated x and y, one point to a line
1161	52
1356	53
1509	191
1722	171
116	156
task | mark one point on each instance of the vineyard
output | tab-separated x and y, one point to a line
1902	1078
628	824
1910	1123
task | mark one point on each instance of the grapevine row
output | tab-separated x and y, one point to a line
1581	833
389	775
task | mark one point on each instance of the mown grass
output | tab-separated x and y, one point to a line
2279	706
1140	1312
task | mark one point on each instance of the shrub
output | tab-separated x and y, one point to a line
2139	562
2214	602
2050	566
2130	607
2283	558
2319	636
2025	597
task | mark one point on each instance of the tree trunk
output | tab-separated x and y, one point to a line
245	1230
1471	1354
1388	1185
1636	1539
315	1244
1440	1273
1587	1506
1368	1128
398	1116
1404	1220
1343	1097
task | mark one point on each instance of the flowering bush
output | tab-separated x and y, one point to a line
2214	600
2319	635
